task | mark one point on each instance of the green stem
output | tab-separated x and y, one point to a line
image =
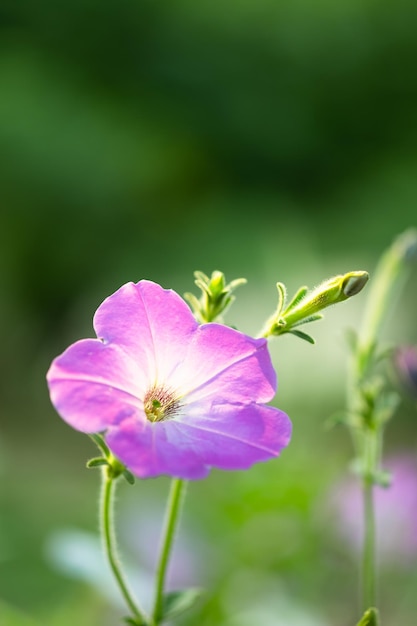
371	461
171	522
368	562
390	276
110	544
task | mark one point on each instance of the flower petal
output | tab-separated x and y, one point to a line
233	437
150	323
236	439
221	360
93	385
150	450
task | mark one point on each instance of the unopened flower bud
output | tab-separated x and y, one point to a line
332	291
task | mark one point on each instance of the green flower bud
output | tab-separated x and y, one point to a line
217	283
306	306
216	296
332	291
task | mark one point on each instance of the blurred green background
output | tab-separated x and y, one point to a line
141	139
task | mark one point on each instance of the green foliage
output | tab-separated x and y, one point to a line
176	602
370	618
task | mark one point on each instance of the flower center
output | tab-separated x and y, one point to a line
160	404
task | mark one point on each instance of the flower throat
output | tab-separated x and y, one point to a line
160	404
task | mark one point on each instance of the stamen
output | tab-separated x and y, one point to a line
160	404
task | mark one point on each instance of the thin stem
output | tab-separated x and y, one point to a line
371	446
171	522
110	547
368	557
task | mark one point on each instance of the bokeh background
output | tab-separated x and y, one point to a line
141	139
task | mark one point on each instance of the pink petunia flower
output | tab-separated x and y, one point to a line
171	396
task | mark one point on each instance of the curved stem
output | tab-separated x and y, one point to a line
110	544
171	522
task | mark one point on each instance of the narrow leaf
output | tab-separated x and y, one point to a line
175	602
340	417
97	462
237	282
128	476
282	297
203	286
301	335
192	301
299	295
201	276
100	443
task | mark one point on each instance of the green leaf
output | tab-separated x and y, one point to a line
201	277
97	462
370	618
387	405
176	602
340	417
282	297
237	282
128	476
100	443
301	335
383	478
205	288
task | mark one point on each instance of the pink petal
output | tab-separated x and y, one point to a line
221	360
93	385
154	449
235	438
151	324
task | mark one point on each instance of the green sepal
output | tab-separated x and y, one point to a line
370	618
101	444
176	602
282	297
312	318
203	286
192	301
301	335
298	296
128	476
98	461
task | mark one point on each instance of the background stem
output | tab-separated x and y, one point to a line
368	562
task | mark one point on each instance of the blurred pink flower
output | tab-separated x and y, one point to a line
405	361
395	510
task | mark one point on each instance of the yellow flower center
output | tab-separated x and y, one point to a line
160	404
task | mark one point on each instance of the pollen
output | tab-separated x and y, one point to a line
160	404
